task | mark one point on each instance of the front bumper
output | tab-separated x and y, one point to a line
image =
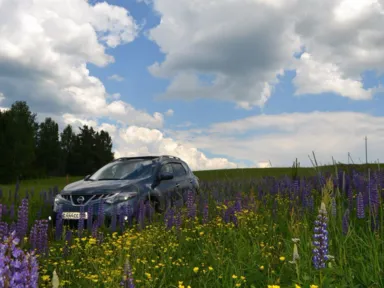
67	206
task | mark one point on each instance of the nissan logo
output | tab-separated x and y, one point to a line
80	199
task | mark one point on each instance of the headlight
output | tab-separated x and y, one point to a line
122	196
58	198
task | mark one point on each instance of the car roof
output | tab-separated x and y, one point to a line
161	158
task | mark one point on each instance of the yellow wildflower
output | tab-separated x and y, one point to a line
196	269
45	277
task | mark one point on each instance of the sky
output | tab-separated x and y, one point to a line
219	83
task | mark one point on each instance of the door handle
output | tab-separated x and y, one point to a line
190	181
177	185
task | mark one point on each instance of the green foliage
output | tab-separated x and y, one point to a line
32	150
251	252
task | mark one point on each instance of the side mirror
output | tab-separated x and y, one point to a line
87	177
166	176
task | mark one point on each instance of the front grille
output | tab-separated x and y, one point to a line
89	198
66	197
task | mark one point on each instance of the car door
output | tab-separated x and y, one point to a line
167	187
181	182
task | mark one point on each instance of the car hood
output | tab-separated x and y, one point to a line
97	187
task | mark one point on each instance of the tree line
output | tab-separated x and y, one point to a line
29	149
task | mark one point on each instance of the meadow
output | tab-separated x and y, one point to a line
275	227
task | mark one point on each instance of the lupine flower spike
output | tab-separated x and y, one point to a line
320	238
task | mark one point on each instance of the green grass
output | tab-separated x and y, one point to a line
247	255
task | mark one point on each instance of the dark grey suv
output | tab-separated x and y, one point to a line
161	180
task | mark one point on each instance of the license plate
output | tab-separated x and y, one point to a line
74	215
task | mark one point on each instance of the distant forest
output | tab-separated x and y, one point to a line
29	149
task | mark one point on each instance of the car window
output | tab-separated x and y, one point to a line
178	170
127	169
166	168
185	167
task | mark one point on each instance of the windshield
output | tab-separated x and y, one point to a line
124	170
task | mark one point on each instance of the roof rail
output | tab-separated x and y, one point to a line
135	157
169	156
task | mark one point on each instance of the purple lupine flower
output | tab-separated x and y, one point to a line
360	206
227	215
80	226
121	218
95	227
90	217
101	212
350	196
33	234
3	230
12	211
205	213
114	219
16	268
170	218
320	238
13	227
22	220
191	205
31	275
375	202
1	210
39	236
43	237
128	281
237	206
67	243
59	224
345	223
5	209
178	220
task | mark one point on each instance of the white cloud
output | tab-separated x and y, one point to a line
238	45
169	112
313	77
126	114
116	77
241	47
264	164
284	137
47	45
135	140
345	33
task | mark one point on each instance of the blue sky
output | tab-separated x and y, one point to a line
244	89
140	88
